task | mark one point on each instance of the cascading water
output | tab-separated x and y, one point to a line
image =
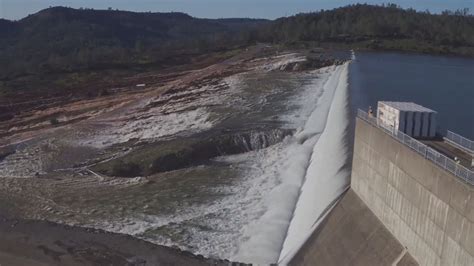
223	180
326	178
310	178
256	140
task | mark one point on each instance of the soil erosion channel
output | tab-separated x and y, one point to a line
169	164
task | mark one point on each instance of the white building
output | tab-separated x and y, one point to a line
410	118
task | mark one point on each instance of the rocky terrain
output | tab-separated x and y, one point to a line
45	243
152	160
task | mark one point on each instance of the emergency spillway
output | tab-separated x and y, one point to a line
326	178
310	177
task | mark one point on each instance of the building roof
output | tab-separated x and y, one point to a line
408	106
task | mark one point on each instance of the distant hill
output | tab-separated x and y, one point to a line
65	39
380	27
63	47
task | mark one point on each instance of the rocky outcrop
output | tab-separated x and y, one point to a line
185	152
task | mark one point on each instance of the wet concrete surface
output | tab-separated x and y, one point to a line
352	235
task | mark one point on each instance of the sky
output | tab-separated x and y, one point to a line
270	9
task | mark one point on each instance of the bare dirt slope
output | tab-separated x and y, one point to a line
45	243
99	162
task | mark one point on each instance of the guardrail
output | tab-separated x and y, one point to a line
437	158
465	143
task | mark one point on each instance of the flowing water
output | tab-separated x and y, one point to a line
232	157
254	161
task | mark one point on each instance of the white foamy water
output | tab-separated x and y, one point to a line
280	61
246	215
296	169
250	223
182	112
326	179
152	127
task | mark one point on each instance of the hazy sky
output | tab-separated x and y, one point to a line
17	9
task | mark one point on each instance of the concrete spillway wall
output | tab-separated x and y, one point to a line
429	210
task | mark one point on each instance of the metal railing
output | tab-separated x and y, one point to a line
465	143
427	152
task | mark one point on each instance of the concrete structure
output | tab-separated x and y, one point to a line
461	142
427	208
409	204
409	118
451	151
352	235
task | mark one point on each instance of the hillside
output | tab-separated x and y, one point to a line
378	27
63	50
65	39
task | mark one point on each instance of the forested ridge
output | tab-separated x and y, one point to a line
78	42
401	29
66	39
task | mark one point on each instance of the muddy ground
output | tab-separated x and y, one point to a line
135	150
26	242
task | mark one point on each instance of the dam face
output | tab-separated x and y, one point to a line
426	208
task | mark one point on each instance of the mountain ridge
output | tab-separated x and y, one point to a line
62	40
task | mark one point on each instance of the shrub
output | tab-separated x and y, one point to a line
54	121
